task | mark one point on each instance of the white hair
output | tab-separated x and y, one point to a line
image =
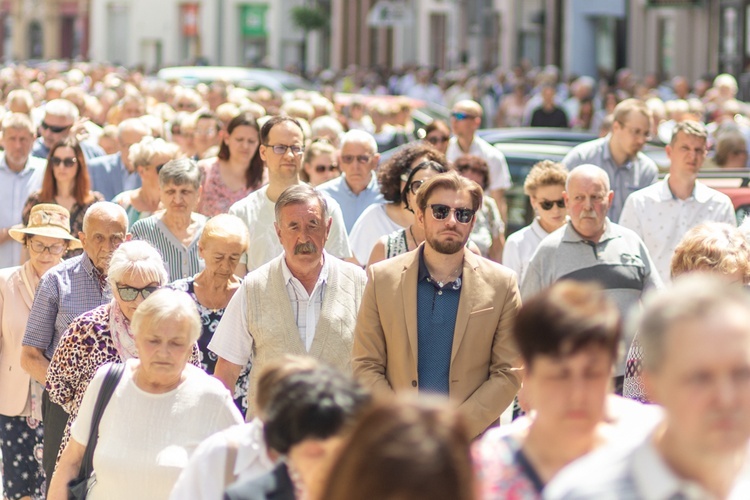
133	125
136	258
589	171
164	308
106	208
142	153
357	136
61	107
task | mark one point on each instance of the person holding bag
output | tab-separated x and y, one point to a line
161	409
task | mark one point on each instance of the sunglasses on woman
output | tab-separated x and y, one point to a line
547	205
130	293
438	139
322	168
441	212
67	162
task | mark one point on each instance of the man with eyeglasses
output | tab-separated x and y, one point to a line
592	248
437	320
60	119
282	146
115	173
358	187
66	291
466	118
662	213
619	153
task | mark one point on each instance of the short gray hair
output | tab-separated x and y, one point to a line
142	153
62	107
357	136
17	121
180	172
298	195
163	308
589	171
691	128
136	258
692	297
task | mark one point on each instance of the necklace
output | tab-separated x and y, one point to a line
442	283
412	237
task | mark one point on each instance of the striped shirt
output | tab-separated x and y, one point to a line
65	292
181	261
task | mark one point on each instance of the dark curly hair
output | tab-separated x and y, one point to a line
390	173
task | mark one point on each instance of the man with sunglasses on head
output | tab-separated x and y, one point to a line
662	213
466	118
282	147
619	153
66	291
61	117
357	188
437	320
592	248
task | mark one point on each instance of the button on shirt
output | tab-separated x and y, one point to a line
15	188
65	292
625	179
352	205
305	307
498	166
661	219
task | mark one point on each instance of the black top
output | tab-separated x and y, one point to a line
554	118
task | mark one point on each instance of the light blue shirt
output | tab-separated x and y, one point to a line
15	188
352	205
110	177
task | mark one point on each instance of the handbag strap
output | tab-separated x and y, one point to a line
111	379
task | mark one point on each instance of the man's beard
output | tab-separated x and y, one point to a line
446	247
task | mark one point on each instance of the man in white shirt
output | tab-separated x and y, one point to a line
696	347
466	118
302	302
282	147
20	175
662	213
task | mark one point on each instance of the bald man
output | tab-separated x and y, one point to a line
466	118
591	248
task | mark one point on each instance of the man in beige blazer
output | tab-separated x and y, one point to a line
438	319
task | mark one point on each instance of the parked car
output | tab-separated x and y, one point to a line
249	78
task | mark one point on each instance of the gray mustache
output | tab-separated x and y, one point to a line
305	248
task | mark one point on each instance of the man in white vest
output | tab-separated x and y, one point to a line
303	302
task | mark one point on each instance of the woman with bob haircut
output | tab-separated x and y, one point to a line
66	183
402	449
236	171
569	337
711	247
161	409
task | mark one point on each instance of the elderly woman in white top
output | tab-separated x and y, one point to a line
544	185
161	409
46	237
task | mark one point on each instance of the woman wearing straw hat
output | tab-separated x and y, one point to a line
46	237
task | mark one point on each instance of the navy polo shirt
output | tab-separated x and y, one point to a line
437	308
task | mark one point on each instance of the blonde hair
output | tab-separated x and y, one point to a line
712	246
224	226
545	173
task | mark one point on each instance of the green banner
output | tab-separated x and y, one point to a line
253	19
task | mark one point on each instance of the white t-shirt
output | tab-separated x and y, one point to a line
145	440
371	225
498	167
257	211
203	478
521	245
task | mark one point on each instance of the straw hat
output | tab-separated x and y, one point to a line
47	219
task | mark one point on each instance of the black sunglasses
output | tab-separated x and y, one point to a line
54	129
322	168
67	162
441	212
547	205
438	139
129	293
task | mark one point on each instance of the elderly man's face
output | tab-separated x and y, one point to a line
17	143
703	381
587	200
104	233
55	128
303	232
357	161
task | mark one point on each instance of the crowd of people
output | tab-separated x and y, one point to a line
215	293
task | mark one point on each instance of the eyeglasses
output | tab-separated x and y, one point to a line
547	205
54	129
473	170
441	212
205	133
322	168
71	162
415	185
130	293
55	249
459	115
360	158
280	149
438	139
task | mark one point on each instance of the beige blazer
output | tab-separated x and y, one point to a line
484	359
15	305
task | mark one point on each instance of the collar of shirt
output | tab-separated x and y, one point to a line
4	166
286	273
251	448
371	186
424	273
572	236
654	480
607	155
701	193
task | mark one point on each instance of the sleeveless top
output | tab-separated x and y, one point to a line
396	243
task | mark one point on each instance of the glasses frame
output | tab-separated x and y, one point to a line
459	213
321	169
281	149
55	129
45	248
69	162
361	159
145	292
460	115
